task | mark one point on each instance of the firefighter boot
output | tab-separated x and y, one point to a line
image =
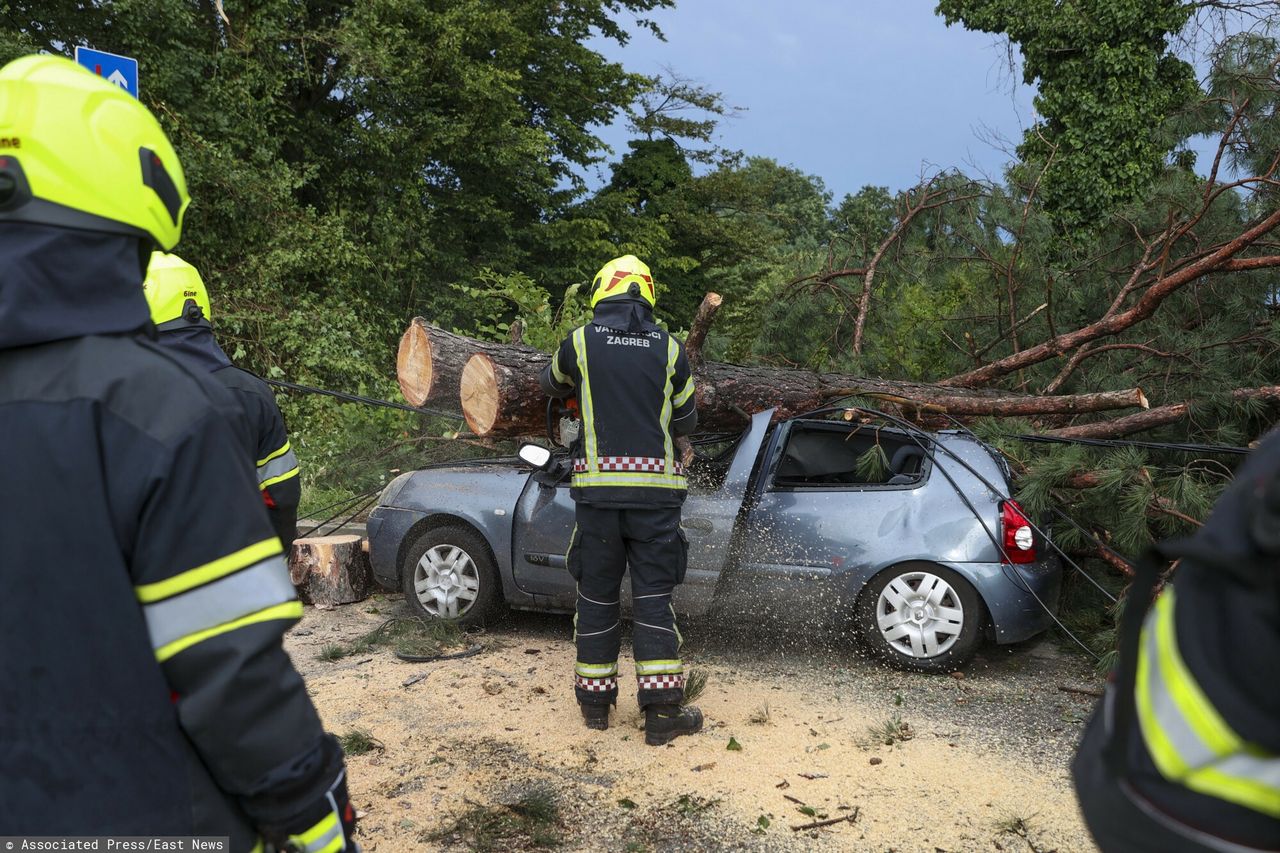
665	723
595	716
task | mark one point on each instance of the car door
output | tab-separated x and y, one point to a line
806	541
544	523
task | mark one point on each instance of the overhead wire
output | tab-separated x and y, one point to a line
360	398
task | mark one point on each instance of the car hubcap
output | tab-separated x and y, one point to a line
919	614
446	581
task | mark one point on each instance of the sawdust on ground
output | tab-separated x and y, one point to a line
486	730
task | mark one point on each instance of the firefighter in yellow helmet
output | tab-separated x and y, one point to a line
180	309
146	692
635	392
1183	751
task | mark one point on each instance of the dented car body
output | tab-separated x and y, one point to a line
790	519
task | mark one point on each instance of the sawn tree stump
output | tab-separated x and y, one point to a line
329	570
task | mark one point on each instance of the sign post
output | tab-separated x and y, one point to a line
121	70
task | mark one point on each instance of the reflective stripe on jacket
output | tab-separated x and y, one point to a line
277	465
636	393
1187	737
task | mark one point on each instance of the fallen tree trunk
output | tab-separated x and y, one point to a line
430	361
500	395
329	570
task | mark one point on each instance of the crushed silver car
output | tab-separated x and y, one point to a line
921	550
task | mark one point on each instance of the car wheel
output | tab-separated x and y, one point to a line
448	574
920	617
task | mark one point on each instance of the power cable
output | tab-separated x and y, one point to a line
359	398
346	505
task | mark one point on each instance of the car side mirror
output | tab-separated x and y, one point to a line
534	455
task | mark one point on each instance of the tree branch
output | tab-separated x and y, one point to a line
1160	416
701	325
1112	324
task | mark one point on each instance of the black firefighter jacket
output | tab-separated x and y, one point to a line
635	393
143	686
273	456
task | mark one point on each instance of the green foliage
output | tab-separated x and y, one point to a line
1107	81
889	732
349	162
691	805
695	683
414	637
872	465
331	652
358	742
532	822
506	298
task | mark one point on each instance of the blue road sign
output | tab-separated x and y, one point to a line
121	70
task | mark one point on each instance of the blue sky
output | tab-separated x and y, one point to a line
854	91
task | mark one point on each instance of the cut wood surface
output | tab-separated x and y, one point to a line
413	363
501	395
430	361
329	570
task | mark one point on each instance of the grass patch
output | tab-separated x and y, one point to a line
531	823
694	683
760	715
331	652
691	805
891	731
358	742
1015	824
418	637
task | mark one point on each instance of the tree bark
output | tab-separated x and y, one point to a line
1064	404
701	324
330	570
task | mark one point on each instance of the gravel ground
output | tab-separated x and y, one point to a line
981	763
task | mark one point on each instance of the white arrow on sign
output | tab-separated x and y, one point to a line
118	78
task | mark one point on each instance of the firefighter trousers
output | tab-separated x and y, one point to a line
606	543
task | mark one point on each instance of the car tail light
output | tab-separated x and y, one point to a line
1019	538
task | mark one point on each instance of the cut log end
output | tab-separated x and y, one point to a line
330	570
1142	399
479	394
413	363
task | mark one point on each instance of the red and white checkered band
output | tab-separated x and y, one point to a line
597	685
647	464
660	682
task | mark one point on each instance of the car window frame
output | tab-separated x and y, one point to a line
783	436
